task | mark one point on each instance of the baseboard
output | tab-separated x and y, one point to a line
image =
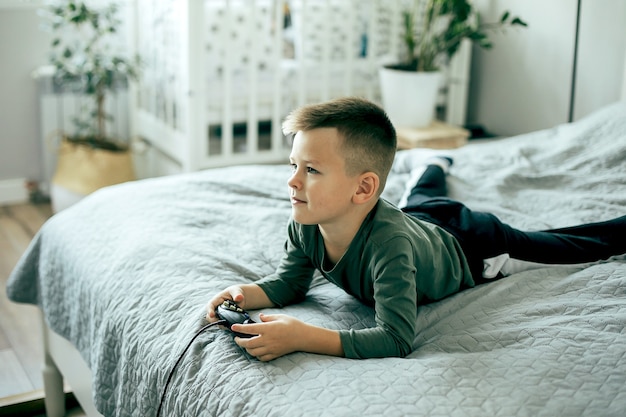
32	404
13	191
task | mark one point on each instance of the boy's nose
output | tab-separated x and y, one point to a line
293	181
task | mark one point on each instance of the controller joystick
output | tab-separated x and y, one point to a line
231	313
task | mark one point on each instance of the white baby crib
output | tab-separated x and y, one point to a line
220	75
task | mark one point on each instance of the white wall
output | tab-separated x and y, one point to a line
23	47
524	82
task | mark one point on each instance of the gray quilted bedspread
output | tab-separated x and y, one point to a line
125	274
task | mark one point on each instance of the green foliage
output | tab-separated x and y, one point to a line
83	58
444	25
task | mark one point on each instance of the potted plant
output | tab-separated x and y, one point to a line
85	63
432	32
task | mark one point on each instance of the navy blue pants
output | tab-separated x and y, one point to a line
483	235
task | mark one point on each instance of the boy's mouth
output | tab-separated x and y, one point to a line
296	201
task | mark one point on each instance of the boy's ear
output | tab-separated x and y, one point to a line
368	188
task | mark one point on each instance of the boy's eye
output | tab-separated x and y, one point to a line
309	170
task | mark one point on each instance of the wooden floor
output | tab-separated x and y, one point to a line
21	353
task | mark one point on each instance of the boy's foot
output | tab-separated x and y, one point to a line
445	162
408	160
442	161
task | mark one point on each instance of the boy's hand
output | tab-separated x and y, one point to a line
247	296
279	334
234	293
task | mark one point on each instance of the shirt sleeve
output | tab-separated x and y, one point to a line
395	299
292	279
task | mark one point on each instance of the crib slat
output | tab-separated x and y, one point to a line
326	44
227	117
348	69
371	53
197	87
395	29
252	136
277	148
301	60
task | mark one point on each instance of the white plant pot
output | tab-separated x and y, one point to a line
409	98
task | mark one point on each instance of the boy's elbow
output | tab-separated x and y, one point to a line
404	348
399	349
396	348
381	344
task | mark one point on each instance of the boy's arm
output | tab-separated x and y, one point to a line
279	334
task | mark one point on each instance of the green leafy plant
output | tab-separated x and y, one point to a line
84	61
433	30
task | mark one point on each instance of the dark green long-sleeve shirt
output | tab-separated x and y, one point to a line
393	263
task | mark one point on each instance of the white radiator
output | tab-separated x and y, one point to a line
59	105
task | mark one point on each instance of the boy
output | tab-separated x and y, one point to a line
390	259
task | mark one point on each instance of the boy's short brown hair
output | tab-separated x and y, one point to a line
369	138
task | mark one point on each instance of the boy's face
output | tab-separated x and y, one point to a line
321	191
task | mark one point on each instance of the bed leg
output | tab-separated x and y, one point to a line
52	381
53	389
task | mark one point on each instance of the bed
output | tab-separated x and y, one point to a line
122	279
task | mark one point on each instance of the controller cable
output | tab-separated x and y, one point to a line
180	358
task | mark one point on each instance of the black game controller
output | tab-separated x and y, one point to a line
231	313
